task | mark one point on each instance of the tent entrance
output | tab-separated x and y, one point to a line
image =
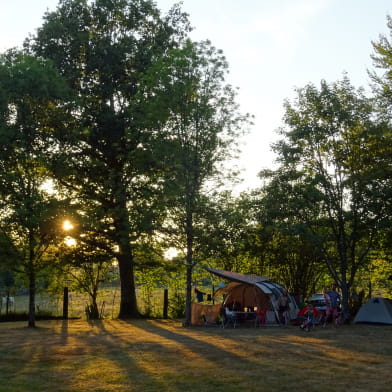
242	297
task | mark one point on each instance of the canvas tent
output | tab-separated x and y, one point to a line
377	310
245	290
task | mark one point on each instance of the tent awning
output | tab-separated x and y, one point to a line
238	277
226	290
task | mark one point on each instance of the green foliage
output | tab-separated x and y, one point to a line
202	125
30	90
379	274
104	50
382	75
134	122
177	297
222	232
328	187
148	281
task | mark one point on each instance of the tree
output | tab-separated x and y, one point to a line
283	232
382	88
202	128
87	264
382	74
333	182
223	229
30	90
103	49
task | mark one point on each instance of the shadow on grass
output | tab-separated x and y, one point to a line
66	359
158	355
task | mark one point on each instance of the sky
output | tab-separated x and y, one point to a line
272	47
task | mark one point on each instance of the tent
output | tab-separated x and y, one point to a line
377	310
251	291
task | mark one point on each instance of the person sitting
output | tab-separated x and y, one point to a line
307	324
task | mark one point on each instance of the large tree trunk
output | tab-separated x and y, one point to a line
128	303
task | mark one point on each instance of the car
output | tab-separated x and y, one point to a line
318	301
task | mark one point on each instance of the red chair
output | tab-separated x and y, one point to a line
261	317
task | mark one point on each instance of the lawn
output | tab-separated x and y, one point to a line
157	355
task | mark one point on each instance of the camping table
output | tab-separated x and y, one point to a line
244	317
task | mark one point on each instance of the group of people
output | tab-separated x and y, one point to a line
332	301
312	315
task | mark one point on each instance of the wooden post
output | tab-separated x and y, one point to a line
65	303
165	302
7	303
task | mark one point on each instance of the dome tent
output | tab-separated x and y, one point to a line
377	310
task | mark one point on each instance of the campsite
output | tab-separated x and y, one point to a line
135	252
250	293
249	297
158	355
164	355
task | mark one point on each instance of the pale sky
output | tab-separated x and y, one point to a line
272	46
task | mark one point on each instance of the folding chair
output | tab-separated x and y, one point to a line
230	318
261	318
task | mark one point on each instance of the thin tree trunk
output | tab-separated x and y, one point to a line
31	318
189	268
31	277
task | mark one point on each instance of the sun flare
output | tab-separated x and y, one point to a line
67	225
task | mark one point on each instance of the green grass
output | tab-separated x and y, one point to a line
155	355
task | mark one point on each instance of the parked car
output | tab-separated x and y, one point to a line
318	301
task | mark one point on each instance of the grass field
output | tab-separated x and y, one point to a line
108	303
157	355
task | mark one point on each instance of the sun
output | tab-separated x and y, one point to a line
67	225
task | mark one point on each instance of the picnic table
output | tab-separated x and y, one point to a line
236	318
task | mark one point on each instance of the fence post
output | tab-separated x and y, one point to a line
165	302
7	304
65	303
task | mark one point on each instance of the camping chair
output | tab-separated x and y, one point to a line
230	318
318	317
261	318
316	320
